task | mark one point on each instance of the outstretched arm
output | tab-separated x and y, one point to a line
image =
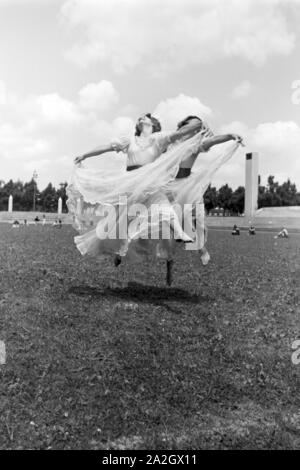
186	131
220	139
94	153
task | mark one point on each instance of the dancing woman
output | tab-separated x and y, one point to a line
151	179
187	190
89	192
191	183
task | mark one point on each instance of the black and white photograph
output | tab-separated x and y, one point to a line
149	227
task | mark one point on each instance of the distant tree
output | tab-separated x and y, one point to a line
49	199
210	198
272	185
261	196
275	194
288	193
28	193
237	201
224	196
15	189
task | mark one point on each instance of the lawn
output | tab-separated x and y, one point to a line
106	358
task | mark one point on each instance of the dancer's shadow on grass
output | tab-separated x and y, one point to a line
141	293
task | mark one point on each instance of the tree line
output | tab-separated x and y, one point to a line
271	195
27	196
232	202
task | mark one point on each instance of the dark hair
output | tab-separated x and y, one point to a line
156	126
187	120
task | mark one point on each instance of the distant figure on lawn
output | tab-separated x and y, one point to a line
25	222
235	230
16	224
282	234
57	223
252	230
36	220
44	220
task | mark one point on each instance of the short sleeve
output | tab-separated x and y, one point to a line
120	144
162	139
197	144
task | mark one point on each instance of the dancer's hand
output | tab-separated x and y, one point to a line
238	139
206	131
79	159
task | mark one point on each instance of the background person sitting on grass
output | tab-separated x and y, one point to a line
235	230
282	234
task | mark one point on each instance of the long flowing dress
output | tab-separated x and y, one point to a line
97	199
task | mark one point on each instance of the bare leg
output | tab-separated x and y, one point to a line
122	252
205	257
117	260
170	264
179	233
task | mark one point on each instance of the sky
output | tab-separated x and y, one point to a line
75	73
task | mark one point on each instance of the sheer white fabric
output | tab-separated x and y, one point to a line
184	196
105	187
142	155
90	193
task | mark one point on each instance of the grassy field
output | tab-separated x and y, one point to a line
100	358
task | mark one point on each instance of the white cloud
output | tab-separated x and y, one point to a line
173	110
98	96
242	90
278	145
5	3
163	35
45	132
3	93
24	2
8	102
36	130
123	126
236	127
53	109
17	144
38	165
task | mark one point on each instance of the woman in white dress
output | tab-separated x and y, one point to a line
185	193
89	193
150	179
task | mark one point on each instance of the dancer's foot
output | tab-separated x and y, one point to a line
205	257
117	260
184	239
180	235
